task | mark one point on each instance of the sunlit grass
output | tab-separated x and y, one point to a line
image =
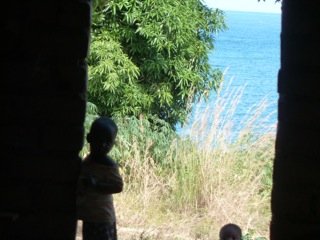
188	186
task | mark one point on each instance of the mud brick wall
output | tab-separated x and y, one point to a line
43	98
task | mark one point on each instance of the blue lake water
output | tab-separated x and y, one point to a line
250	51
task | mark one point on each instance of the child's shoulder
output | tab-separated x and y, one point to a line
110	162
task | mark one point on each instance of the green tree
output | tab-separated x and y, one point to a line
151	57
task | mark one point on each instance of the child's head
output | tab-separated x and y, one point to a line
102	135
230	232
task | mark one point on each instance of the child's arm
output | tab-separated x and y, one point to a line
113	185
109	188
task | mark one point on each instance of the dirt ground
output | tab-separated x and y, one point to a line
137	233
123	233
79	230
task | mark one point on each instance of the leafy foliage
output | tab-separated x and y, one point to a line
250	236
151	57
149	138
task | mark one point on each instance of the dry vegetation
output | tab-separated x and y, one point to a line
212	174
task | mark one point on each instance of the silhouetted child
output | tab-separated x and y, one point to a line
99	179
230	232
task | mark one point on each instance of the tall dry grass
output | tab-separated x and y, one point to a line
188	186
